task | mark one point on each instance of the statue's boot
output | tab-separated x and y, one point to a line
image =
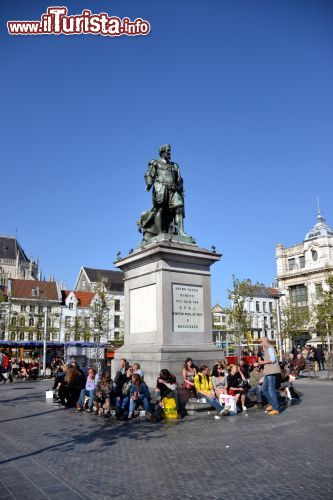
180	225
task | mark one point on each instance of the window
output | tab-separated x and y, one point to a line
301	261
13	322
21	336
264	307
116	335
67	337
299	295
39	336
117	321
49	322
270	304
23	308
40	309
32	309
12	336
258	307
54	336
77	336
34	292
2	335
22	322
67	321
319	290
31	321
291	264
217	318
117	305
272	334
314	255
70	305
30	336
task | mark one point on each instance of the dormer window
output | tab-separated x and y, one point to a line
70	305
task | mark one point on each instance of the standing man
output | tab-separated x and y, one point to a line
271	372
163	175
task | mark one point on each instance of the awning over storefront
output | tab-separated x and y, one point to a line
37	343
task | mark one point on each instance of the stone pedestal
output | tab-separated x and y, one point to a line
167	307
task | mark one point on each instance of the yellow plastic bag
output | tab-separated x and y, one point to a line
170	408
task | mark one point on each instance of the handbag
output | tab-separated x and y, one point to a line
243	384
126	388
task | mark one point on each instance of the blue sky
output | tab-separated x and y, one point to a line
241	89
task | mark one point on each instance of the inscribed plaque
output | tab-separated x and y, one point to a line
187	308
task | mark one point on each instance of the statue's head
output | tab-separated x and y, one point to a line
165	151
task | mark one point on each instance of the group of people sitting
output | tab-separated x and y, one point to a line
298	359
89	392
12	368
128	395
242	381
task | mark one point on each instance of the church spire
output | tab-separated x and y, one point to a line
320	218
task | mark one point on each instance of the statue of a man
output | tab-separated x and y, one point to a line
168	193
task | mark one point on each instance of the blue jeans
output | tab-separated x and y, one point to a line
212	401
85	393
257	390
270	392
133	403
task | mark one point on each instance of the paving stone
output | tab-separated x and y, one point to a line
68	455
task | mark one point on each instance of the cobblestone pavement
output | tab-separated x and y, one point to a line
46	452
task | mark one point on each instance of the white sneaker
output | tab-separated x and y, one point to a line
225	411
217	417
244	408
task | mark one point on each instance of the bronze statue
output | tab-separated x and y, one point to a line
164	177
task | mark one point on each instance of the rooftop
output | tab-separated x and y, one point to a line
84	298
320	229
113	280
34	290
10	248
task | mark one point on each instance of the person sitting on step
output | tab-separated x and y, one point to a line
104	388
139	394
204	388
235	381
89	391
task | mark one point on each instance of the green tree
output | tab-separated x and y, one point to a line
323	312
239	318
294	320
100	318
